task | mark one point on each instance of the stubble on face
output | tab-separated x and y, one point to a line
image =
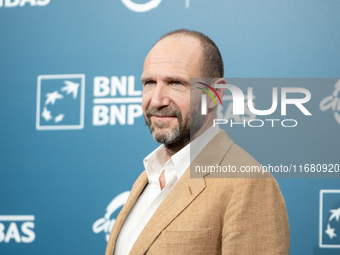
179	136
158	128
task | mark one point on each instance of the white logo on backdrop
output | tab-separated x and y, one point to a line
61	101
18	228
141	7
116	100
21	3
146	6
59	105
105	224
333	102
329	222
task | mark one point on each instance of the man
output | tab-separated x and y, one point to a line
168	212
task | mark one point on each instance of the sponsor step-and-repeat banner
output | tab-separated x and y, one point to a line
73	135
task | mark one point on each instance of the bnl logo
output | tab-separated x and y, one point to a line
18	228
60	102
329	225
116	101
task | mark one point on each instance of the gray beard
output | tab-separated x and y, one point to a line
180	134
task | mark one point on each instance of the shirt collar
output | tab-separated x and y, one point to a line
158	159
154	162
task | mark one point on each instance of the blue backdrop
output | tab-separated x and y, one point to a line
72	135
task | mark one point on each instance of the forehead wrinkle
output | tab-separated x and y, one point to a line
173	69
166	76
158	61
176	65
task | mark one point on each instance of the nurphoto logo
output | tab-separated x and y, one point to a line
240	102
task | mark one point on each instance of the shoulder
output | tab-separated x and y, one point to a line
247	185
237	163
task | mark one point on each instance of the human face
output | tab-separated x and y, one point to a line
166	88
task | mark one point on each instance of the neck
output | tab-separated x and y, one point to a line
172	149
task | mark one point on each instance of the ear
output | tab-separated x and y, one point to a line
220	92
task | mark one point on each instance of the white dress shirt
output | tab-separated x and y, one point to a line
152	196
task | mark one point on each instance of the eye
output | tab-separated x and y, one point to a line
149	83
176	83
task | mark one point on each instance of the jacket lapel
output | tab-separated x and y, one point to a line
135	192
181	195
212	154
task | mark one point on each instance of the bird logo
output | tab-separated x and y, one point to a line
52	98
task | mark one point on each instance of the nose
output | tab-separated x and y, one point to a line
160	96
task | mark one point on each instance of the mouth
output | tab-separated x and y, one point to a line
162	117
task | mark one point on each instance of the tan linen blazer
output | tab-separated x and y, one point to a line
213	215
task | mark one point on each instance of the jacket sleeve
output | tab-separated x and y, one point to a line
255	220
